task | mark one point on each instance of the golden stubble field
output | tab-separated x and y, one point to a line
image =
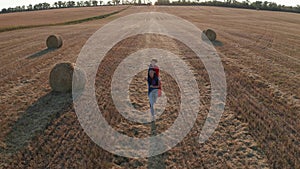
260	52
53	16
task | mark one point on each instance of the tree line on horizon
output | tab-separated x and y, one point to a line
58	4
258	5
246	4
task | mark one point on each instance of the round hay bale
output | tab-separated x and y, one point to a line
61	77
54	42
203	35
210	34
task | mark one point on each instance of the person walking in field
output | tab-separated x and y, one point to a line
156	69
153	86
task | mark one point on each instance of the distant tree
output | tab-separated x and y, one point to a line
29	7
18	9
164	2
36	7
265	4
109	3
70	4
87	3
245	3
4	10
59	3
10	9
101	2
64	4
257	4
95	3
81	3
45	5
273	5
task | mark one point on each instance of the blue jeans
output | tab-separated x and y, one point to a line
152	99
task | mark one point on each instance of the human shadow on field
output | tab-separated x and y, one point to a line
158	161
41	53
36	119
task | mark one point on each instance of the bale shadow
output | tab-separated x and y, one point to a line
158	161
36	119
215	42
41	53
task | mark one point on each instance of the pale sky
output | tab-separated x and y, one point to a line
13	3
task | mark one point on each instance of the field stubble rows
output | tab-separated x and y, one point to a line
261	62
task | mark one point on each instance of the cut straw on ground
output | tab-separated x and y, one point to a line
63	23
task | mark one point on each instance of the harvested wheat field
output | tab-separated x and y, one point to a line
53	16
260	52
